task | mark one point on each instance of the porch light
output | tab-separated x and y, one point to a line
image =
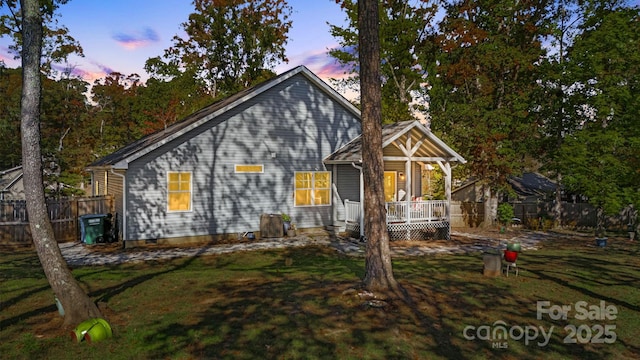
401	174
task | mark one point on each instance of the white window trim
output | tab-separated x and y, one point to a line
190	192
313	176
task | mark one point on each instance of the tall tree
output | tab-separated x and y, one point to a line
229	44
58	44
10	91
378	268
406	28
601	159
162	103
66	139
115	124
78	306
482	85
555	118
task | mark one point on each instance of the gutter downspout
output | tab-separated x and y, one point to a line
124	204
359	167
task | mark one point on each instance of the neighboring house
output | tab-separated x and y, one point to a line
530	187
11	184
265	150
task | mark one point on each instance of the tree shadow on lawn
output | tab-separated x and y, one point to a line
593	275
303	303
20	268
305	308
593	282
47	322
472	299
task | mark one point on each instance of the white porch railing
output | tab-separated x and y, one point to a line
403	211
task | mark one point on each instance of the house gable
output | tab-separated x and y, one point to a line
121	158
286	127
395	137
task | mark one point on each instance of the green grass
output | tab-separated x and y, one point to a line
295	304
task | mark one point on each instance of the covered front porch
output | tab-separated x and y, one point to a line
406	220
410	153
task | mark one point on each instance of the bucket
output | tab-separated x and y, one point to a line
78	333
98	332
601	242
91	330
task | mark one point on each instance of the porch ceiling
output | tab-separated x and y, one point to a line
398	140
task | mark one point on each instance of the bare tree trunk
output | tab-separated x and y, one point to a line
379	272
77	305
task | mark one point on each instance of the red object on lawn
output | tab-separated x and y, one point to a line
510	256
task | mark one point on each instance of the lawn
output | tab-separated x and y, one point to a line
303	303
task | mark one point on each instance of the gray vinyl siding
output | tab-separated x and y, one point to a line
289	128
348	182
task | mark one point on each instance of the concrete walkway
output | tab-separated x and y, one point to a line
78	254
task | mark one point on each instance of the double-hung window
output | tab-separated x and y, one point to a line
312	188
179	191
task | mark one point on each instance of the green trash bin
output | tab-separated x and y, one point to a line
92	228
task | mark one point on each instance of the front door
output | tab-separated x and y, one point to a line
390	186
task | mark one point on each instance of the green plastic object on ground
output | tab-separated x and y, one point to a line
92	330
98	332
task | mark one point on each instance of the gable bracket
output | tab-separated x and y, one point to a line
417	146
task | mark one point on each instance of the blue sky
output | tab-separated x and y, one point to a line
120	35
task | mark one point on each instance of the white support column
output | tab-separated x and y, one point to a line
446	169
408	185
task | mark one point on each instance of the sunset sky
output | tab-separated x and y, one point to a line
120	35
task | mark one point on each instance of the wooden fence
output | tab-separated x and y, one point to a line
64	213
466	214
539	215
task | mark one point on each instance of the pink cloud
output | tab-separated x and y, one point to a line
320	62
89	76
8	58
138	39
